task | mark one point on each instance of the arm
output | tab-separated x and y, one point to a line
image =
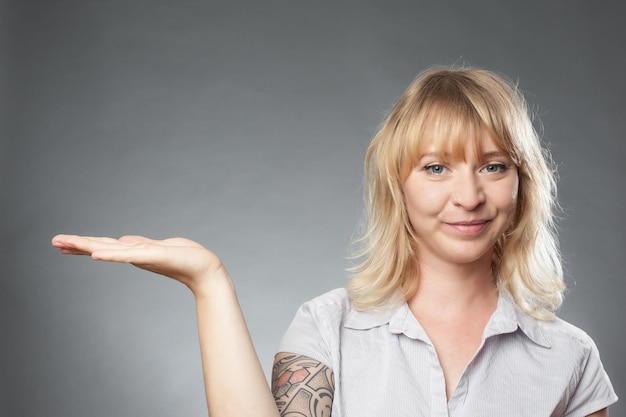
302	386
234	380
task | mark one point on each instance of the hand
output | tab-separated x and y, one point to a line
181	259
234	380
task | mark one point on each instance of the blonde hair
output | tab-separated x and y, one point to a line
451	105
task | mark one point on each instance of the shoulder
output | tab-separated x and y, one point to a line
569	345
320	317
559	332
563	342
330	307
336	300
555	333
316	327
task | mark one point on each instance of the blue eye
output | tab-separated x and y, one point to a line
435	169
493	168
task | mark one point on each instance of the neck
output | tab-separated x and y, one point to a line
449	291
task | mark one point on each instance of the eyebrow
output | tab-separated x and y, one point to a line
492	154
486	155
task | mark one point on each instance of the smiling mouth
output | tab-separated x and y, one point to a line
469	228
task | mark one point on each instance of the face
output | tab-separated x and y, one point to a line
459	209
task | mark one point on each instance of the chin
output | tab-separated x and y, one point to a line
465	256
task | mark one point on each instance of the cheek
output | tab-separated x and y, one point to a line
425	200
504	195
508	201
515	189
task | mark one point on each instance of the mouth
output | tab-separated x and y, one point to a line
469	227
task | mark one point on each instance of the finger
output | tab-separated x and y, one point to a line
85	244
64	242
180	241
133	239
73	240
174	241
60	240
130	254
72	252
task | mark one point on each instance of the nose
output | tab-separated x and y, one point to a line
468	191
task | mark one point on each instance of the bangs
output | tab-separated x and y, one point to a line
450	116
446	131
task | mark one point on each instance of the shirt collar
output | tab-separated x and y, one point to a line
507	318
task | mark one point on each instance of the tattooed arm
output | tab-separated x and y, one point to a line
302	387
234	380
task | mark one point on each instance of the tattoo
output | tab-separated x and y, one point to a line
302	387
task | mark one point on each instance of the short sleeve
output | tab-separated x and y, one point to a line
315	328
593	390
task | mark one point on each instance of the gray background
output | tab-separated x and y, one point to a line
243	125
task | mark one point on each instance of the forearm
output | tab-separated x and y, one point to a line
234	379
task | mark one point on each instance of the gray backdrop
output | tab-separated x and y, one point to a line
243	125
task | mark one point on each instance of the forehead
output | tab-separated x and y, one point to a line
453	135
460	147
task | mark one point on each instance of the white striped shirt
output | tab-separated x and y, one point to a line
384	364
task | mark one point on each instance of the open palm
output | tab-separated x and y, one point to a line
181	259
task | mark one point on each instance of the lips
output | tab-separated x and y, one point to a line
469	227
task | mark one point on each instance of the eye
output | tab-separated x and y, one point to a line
495	168
435	169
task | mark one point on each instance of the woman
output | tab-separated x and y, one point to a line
450	311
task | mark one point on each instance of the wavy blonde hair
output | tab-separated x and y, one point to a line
452	105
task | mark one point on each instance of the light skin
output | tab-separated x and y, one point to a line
225	345
234	379
457	209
